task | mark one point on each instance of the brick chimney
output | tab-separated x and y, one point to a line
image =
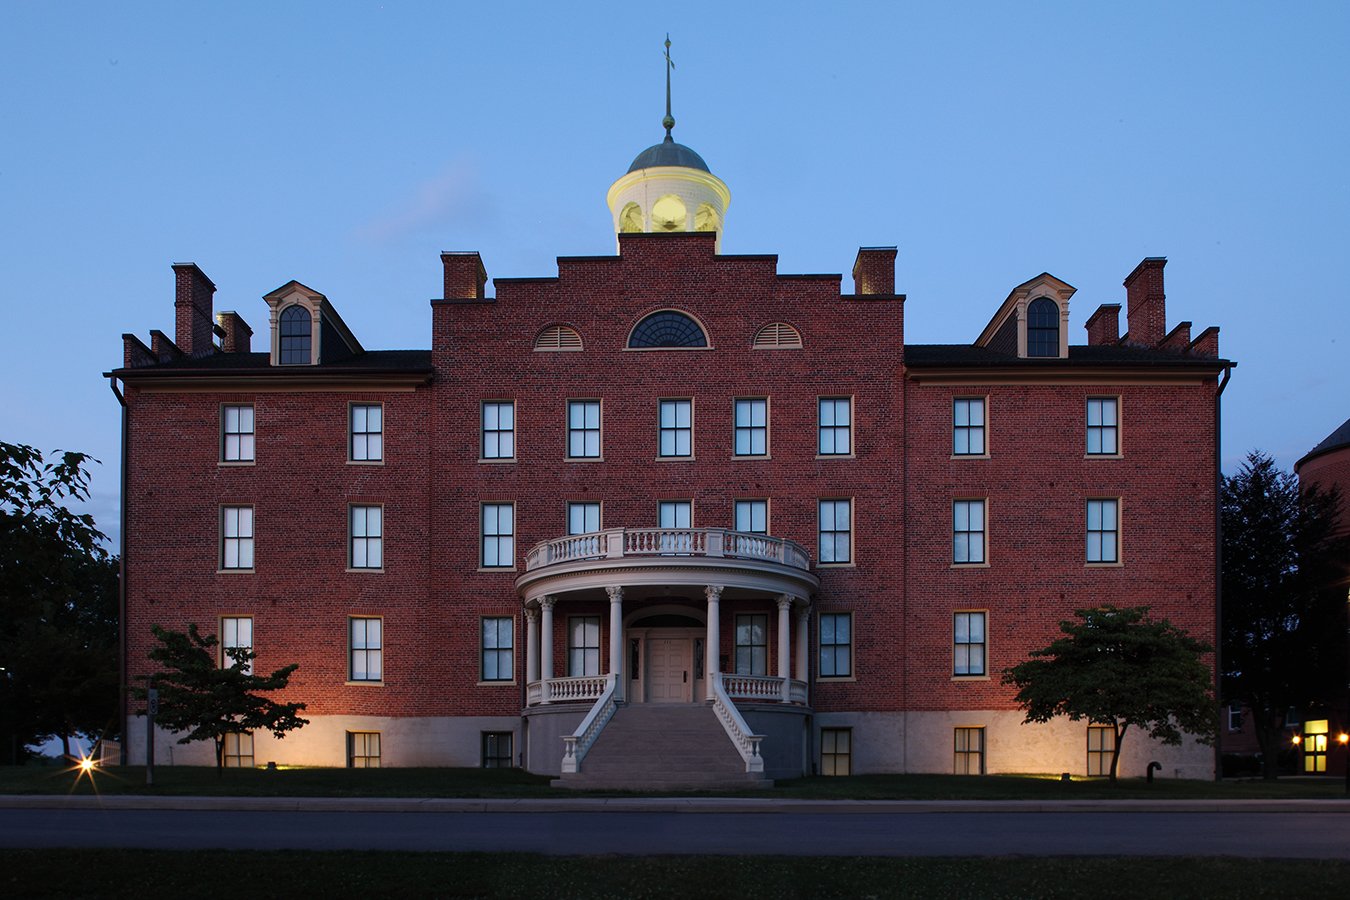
192	310
874	271
1146	306
236	336
465	276
1103	326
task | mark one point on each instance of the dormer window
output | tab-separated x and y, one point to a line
296	334
1043	328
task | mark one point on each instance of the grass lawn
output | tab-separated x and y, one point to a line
206	874
512	783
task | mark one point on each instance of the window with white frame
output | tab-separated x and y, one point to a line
499	429
583	429
367	432
583	518
583	645
836	751
752	645
1101	746
238	750
236	633
835	426
1234	717
968	756
236	434
752	516
752	427
675	514
499	535
363	749
367	537
1103	531
836	645
236	537
967	532
1102	427
968	426
836	531
366	656
676	428
498	648
968	643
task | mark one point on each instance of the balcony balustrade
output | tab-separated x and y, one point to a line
622	543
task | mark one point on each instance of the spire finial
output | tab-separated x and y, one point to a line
669	120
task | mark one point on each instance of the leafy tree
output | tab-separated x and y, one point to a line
1120	668
1283	628
209	701
58	605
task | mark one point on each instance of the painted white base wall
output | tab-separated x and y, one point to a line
446	741
922	742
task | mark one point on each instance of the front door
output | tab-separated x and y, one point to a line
668	675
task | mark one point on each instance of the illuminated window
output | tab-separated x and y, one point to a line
667	329
239	750
968	643
968	757
968	426
499	536
499	430
236	633
236	537
1103	531
676	428
1101	746
497	750
499	649
836	645
835	426
363	749
752	645
1315	733
366	653
836	531
1102	427
752	516
583	645
367	537
295	336
583	429
752	427
968	532
1043	328
583	518
836	751
236	434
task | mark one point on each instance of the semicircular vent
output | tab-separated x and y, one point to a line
777	336
558	337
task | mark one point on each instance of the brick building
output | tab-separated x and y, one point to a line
670	515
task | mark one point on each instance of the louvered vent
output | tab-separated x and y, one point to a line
776	336
558	337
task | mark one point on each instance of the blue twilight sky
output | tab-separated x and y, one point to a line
345	145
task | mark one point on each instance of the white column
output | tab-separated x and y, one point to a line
803	647
546	640
531	646
711	650
616	638
784	644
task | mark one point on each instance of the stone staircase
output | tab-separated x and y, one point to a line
658	747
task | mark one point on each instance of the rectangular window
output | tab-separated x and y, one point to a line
1102	426
968	643
675	514
836	751
1315	733
752	516
363	749
499	430
969	751
583	645
677	427
583	429
967	531
239	750
583	518
836	531
499	535
752	645
499	649
1101	747
367	443
236	633
236	537
236	434
968	426
836	426
367	650
497	750
752	427
1103	531
367	537
1234	717
836	645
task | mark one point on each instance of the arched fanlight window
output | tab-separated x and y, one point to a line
776	336
630	220
295	336
1043	328
558	337
667	329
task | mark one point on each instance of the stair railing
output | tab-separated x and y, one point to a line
746	744
577	744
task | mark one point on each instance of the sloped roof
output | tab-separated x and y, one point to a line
1334	441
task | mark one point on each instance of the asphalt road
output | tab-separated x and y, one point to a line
1247	834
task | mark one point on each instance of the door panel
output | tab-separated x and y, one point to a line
667	670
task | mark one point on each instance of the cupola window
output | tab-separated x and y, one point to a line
669	214
295	336
1043	328
630	220
667	329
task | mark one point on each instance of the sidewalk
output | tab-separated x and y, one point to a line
662	804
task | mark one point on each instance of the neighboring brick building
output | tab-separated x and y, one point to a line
731	487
